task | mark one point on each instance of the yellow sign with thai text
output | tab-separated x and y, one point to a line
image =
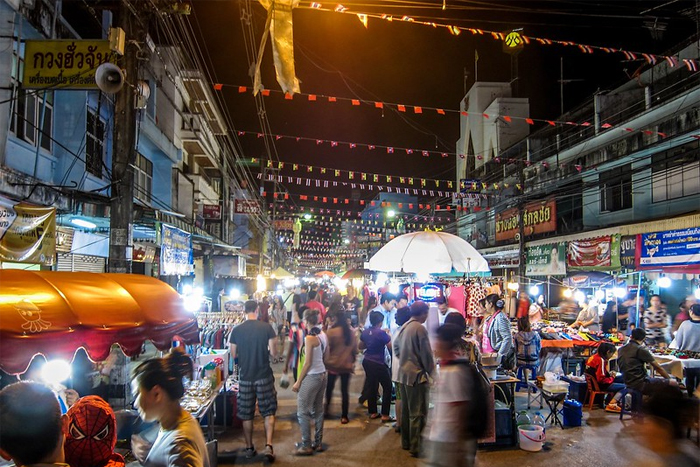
64	64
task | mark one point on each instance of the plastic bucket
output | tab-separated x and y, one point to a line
531	437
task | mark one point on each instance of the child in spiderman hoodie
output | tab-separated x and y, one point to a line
91	434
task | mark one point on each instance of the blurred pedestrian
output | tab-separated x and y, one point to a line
403	314
416	366
157	386
655	322
688	338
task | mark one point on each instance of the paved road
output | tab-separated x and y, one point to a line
604	440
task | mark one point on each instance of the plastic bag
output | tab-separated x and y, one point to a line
284	381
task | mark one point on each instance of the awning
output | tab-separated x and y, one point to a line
55	313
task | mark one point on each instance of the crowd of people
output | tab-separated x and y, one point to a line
324	337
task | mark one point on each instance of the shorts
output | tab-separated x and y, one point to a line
263	391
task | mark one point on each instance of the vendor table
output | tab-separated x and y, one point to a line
207	409
674	366
553	400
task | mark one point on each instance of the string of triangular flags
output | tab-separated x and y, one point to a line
651	59
422	191
354	175
428	152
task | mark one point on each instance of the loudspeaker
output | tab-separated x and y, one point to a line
109	78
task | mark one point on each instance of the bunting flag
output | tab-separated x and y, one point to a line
499	36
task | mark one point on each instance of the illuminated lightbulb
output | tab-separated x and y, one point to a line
534	290
55	371
568	293
664	282
620	292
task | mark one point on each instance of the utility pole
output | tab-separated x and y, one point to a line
124	141
521	228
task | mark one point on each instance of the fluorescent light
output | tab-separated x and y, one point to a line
83	223
664	282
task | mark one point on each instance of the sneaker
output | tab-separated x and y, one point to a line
250	452
614	408
304	451
269	453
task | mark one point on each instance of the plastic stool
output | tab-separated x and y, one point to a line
522	376
636	405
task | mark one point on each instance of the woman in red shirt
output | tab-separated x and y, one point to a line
598	367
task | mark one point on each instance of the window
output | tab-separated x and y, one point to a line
616	189
94	144
143	178
29	108
675	174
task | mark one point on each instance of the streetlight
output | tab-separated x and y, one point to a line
307	216
390	213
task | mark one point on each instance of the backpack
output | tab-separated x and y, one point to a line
477	409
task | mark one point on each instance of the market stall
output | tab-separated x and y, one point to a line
54	314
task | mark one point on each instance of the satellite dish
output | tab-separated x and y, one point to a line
109	78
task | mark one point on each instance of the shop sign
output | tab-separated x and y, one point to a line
211	211
628	251
670	248
27	233
283	224
546	260
539	217
176	257
144	252
229	266
601	253
64	64
246	206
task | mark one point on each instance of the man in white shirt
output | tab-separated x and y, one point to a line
387	307
443	310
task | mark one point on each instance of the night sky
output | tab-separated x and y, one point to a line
402	62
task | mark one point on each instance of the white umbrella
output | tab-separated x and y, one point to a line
428	252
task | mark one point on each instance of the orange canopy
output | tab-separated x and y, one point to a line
55	313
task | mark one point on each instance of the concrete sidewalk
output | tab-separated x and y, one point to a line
602	441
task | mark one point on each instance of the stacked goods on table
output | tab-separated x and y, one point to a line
682	354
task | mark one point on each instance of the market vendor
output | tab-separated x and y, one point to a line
496	336
588	318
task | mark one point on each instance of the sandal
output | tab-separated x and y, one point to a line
344	421
388	419
374	416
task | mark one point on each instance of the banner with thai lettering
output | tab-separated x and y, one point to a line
594	254
27	233
628	251
211	211
546	260
64	64
176	257
539	217
670	248
246	206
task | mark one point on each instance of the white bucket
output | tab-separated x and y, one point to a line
531	437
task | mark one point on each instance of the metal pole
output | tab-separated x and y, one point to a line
639	289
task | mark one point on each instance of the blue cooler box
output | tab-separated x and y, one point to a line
572	412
